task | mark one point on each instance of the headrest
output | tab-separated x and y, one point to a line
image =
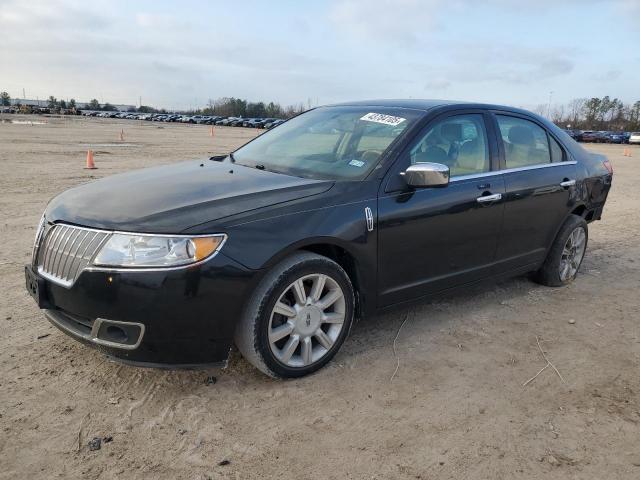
451	132
521	135
432	154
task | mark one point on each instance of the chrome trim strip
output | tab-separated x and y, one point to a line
54	317
54	279
37	241
511	170
96	328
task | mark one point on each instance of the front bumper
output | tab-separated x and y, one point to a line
175	318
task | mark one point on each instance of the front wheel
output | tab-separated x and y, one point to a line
565	256
298	316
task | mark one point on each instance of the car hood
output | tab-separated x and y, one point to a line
172	198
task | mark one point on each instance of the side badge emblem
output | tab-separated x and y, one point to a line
369	216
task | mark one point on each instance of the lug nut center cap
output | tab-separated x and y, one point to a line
308	320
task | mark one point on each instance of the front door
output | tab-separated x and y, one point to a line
431	239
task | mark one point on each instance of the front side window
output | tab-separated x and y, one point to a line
459	141
525	143
335	143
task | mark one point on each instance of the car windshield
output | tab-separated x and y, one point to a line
335	143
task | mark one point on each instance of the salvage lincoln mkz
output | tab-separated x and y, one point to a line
333	215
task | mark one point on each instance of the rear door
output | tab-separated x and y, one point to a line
430	239
540	183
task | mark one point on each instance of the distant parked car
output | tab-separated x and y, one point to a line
252	122
227	121
275	123
616	137
634	138
237	122
575	134
589	136
263	122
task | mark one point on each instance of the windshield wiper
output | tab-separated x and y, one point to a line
259	166
231	157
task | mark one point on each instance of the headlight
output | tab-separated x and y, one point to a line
137	250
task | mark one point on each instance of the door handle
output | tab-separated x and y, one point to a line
489	198
568	183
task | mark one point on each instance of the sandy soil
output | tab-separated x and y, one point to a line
455	409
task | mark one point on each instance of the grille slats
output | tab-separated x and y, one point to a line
74	254
57	259
69	254
78	262
65	250
50	242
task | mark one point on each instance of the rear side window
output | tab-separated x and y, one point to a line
557	154
525	143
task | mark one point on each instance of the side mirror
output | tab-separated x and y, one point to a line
420	175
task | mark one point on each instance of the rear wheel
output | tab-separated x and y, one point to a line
298	317
565	256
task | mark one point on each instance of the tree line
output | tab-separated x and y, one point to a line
226	106
238	107
594	113
580	113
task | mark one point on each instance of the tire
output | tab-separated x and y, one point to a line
564	258
266	334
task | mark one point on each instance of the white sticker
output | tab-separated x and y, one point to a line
382	118
357	163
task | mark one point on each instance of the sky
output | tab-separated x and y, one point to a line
179	55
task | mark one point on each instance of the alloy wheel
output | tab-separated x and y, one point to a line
307	320
572	254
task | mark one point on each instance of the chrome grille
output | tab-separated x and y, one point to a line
66	250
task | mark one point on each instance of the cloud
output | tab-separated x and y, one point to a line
178	55
392	21
607	76
437	83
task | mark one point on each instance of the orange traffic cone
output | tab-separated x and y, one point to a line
627	152
211	131
90	164
122	135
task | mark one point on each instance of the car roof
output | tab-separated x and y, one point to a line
427	104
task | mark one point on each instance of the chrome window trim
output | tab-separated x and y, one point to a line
511	170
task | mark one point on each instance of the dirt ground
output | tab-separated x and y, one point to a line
456	409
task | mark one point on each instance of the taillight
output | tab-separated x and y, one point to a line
607	165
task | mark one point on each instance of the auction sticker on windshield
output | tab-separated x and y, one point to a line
384	119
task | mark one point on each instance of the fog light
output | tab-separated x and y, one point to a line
116	334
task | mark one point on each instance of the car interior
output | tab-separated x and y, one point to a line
459	143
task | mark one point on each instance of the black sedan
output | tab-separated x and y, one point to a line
335	215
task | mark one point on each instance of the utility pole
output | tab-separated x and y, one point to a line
24	96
